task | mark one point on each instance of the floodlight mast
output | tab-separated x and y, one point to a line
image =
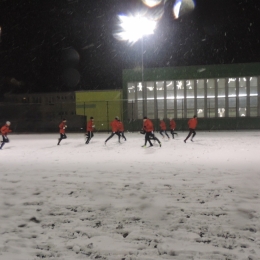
135	28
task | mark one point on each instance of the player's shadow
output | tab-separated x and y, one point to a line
149	150
7	147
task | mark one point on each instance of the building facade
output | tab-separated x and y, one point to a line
216	91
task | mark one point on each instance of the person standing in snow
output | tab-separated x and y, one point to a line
62	127
121	129
192	123
115	129
163	129
172	128
90	129
5	131
148	128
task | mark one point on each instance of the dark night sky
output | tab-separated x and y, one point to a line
40	41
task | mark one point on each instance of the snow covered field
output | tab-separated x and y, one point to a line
196	200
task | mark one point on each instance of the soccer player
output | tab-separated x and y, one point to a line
62	127
5	131
115	129
121	129
192	123
90	129
148	128
172	128
163	129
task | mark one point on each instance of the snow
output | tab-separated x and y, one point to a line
198	200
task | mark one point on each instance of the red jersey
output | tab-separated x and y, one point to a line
90	125
162	125
114	125
172	124
62	127
120	126
148	125
192	123
5	130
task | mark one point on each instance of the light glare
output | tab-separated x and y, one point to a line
134	28
152	3
182	7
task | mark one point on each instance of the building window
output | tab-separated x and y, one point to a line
180	88
170	89
232	87
242	87
139	91
242	106
210	88
180	108
200	88
150	90
200	107
253	86
253	106
130	91
150	99
160	89
139	109
190	107
170	108
232	107
190	88
221	107
211	107
160	108
221	87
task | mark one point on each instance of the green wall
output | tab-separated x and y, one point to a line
104	106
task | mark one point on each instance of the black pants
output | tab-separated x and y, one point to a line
62	136
5	140
192	131
89	135
112	134
173	133
122	135
164	132
150	136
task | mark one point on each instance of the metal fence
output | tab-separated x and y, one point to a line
45	118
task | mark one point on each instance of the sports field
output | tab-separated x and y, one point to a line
198	200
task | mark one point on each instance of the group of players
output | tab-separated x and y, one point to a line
117	128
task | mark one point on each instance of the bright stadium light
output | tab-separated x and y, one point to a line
134	28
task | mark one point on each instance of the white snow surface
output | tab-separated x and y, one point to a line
199	200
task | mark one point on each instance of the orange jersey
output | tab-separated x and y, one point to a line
62	127
114	125
148	125
5	130
162	125
120	126
90	125
192	123
172	124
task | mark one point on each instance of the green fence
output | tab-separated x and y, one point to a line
45	118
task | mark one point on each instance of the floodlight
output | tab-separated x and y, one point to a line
134	28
